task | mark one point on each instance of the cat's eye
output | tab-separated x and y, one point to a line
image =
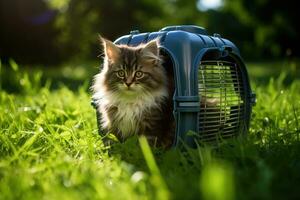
121	73
139	74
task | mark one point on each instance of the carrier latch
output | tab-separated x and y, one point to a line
187	103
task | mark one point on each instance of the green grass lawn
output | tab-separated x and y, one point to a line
50	148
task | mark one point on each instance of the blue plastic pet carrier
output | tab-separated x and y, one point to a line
212	95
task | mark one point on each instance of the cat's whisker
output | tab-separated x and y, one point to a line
100	55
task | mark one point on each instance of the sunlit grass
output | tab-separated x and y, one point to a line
217	181
50	149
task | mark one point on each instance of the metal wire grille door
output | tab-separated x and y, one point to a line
222	100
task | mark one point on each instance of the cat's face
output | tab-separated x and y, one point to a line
133	71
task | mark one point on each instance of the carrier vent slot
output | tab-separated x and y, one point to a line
222	100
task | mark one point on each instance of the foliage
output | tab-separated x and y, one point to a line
27	32
50	149
272	26
56	30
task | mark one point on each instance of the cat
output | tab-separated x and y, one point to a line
133	92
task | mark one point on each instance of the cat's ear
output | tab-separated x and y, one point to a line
150	52
112	51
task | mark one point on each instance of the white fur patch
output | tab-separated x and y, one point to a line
131	107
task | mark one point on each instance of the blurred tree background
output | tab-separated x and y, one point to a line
52	31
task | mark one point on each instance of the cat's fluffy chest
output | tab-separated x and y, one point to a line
128	118
128	114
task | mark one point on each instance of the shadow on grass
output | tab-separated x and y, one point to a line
260	169
178	170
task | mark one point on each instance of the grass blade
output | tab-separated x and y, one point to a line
156	178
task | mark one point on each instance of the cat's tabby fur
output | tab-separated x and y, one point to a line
134	94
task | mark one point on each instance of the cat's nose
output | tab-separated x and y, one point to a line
128	84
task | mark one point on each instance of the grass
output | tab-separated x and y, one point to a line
50	149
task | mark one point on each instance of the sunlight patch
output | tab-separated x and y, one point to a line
205	5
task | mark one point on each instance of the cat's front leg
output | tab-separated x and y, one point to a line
158	138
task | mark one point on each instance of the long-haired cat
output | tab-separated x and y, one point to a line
134	93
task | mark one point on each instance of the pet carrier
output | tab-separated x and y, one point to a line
212	95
